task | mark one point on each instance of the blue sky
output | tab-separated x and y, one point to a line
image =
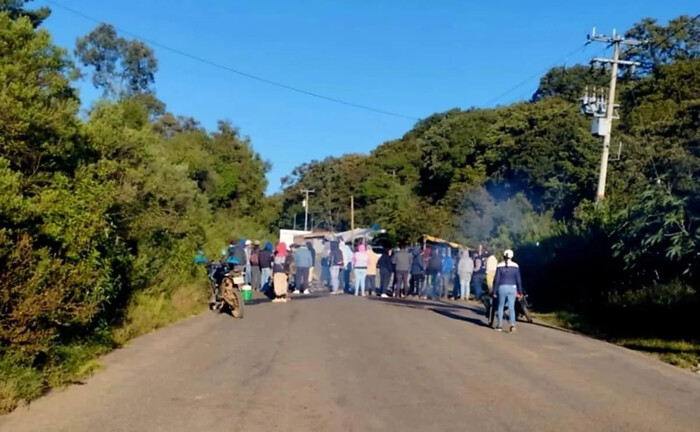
406	56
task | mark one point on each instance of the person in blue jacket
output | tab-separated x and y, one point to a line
508	286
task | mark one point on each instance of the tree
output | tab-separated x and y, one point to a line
37	119
569	83
679	40
121	67
15	9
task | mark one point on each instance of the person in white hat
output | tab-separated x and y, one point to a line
507	286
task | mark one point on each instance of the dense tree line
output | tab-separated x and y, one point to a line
524	176
96	211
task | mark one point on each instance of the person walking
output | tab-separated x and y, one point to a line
255	273
372	263
385	270
402	265
508	286
465	268
417	273
265	259
337	264
280	268
491	264
304	261
360	260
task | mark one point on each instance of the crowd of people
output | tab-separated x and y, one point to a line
421	271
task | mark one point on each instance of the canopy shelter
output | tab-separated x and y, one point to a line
427	238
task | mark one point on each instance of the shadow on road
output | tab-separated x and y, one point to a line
448	314
260	300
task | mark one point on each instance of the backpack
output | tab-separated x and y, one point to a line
255	258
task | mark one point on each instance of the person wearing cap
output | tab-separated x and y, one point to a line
508	286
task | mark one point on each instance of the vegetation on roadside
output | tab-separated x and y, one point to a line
100	217
682	353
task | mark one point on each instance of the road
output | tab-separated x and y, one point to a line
340	363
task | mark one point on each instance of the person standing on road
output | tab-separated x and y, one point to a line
347	259
280	268
402	265
385	270
360	261
465	268
434	271
372	262
417	273
265	259
491	264
337	264
247	248
255	273
508	285
310	246
478	276
447	277
304	261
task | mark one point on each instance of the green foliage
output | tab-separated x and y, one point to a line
121	67
100	219
679	40
570	83
15	9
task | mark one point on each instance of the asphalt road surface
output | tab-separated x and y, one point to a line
342	363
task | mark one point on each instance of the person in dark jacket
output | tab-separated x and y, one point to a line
240	255
402	265
337	263
385	269
265	262
508	286
417	273
434	270
255	274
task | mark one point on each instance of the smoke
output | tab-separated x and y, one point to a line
496	217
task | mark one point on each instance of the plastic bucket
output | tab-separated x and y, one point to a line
247	293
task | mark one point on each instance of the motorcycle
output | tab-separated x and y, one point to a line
225	282
522	308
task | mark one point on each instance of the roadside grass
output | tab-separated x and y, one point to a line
681	353
23	380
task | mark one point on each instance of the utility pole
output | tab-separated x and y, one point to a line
306	207
603	113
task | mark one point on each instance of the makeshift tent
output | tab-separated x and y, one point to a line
427	238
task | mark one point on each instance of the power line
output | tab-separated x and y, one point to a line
236	71
535	75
